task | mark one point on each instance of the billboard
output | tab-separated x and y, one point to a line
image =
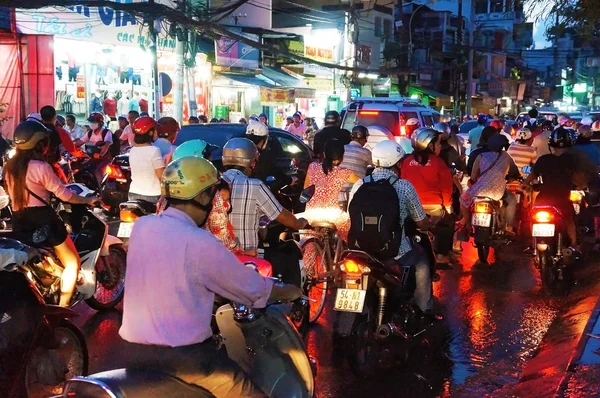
235	54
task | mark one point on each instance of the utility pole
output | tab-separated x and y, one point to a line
180	47
557	70
471	57
153	52
457	76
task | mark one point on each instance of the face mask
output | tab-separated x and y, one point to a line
94	126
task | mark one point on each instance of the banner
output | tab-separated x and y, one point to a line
96	24
275	96
232	53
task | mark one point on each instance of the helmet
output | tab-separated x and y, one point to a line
96	117
257	128
446	118
596	126
264	116
481	119
548	125
498	142
523	134
253	117
560	138
585	131
587	121
186	178
360	132
197	148
563	120
387	153
143	125
35	116
422	137
29	133
442	127
332	118
412	122
239	152
60	120
167	127
497	124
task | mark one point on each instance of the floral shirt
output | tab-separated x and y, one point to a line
218	223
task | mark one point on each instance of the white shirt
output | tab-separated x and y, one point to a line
298	131
170	284
143	160
76	132
123	106
128	134
98	136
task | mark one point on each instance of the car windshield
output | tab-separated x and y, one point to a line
216	136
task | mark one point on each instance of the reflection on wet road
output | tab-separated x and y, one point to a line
495	318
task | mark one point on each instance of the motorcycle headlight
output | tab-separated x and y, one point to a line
11	152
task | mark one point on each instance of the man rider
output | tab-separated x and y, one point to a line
171	286
250	197
356	157
58	137
98	134
331	131
475	133
386	159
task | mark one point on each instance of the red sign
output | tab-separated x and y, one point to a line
80	86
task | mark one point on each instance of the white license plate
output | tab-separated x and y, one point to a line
125	229
350	300
482	220
542	230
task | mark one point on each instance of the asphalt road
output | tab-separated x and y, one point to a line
496	318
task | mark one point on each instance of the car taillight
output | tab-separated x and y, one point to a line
403	131
127	215
354	268
542	216
369	113
115	172
484	208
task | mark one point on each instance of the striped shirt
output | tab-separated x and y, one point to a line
356	159
250	200
523	155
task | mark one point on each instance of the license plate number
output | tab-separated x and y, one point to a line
482	219
542	230
350	300
125	229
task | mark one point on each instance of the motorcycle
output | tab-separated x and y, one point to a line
88	170
263	342
40	348
101	278
115	183
487	225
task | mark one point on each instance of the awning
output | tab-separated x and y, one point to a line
248	79
428	92
283	79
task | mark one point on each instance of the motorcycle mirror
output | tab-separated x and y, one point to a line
307	194
526	169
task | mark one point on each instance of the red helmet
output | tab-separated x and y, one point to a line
143	124
497	124
167	127
96	117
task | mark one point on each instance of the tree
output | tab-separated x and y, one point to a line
579	17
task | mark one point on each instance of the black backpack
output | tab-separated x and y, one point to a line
375	218
115	147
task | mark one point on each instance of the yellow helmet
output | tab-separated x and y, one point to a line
187	177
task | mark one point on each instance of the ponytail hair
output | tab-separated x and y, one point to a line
334	152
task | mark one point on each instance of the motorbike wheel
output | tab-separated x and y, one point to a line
110	280
548	275
299	316
482	253
314	264
47	369
363	350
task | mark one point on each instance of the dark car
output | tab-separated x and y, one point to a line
292	157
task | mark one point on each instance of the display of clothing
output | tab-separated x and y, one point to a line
143	105
110	107
134	104
123	105
96	105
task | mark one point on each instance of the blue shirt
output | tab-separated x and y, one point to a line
475	136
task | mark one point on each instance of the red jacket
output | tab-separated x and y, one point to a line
65	140
433	182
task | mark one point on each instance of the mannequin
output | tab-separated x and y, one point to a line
110	106
123	104
96	102
134	103
143	103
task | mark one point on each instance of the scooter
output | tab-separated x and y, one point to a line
39	347
262	341
101	279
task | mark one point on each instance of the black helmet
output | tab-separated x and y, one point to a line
60	120
29	133
498	142
360	132
332	118
560	138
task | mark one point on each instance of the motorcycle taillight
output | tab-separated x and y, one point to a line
542	216
127	215
483	208
352	267
115	172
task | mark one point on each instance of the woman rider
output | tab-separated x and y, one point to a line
30	181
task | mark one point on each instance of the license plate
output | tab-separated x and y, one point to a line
350	300
542	230
125	229
482	219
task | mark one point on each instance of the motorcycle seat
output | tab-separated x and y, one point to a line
128	383
147	207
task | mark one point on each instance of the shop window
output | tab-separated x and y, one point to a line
427	120
377	26
497	6
481	6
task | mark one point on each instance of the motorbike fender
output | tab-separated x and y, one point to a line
343	323
108	242
88	270
482	235
270	350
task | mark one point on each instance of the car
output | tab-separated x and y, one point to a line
595	115
386	117
548	115
292	157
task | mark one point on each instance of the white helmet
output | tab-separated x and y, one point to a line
412	121
257	128
387	153
596	126
524	134
35	116
587	121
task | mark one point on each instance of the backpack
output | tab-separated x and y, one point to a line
115	147
375	218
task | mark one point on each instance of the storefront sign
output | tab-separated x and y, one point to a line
96	24
321	85
320	47
80	86
235	54
275	96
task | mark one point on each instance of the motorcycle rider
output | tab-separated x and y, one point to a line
331	130
356	157
146	162
167	129
475	134
386	158
58	137
167	310
432	180
250	197
98	134
30	180
127	137
521	150
584	144
540	142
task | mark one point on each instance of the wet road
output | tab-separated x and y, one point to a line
495	319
